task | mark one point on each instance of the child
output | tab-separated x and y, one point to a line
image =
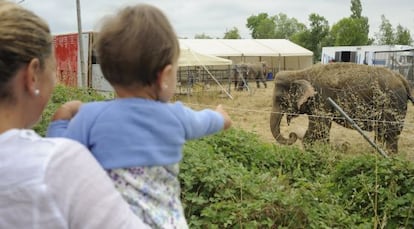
138	137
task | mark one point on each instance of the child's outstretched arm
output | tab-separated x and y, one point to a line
203	122
227	119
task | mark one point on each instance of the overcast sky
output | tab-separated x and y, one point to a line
214	17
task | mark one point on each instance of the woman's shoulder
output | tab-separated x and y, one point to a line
30	155
25	139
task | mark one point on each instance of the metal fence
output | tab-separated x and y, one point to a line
204	76
401	61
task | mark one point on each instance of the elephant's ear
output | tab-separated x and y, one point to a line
304	91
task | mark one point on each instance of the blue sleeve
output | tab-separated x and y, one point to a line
78	128
201	123
57	128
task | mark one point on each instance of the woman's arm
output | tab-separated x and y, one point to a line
83	191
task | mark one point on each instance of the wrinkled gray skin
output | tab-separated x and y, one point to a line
249	71
363	92
237	79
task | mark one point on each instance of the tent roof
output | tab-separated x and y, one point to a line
190	58
245	47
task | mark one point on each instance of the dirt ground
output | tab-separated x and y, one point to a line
251	112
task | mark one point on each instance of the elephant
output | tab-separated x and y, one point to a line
239	80
374	97
245	71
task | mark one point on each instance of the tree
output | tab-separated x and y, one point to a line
385	36
314	37
279	26
350	31
202	36
285	27
232	34
356	9
319	30
262	26
403	36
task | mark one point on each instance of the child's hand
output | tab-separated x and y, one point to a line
227	119
67	110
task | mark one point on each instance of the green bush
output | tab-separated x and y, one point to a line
62	94
377	188
233	180
220	192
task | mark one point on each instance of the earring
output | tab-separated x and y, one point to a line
36	92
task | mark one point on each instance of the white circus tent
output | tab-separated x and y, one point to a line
190	58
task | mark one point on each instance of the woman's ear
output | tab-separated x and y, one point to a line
31	76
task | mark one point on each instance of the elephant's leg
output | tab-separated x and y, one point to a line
388	135
243	85
257	82
391	144
238	84
236	79
318	131
264	81
260	79
388	132
387	139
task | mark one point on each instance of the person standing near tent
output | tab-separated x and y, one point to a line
138	137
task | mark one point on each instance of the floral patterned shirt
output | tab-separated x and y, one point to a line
153	193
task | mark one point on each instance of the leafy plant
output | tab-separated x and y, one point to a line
233	180
62	94
377	188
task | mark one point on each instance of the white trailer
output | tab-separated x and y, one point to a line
359	54
399	58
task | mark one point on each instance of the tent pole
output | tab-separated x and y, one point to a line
280	59
214	78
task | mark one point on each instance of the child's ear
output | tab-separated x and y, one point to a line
164	75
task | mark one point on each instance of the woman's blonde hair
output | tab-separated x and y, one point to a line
23	37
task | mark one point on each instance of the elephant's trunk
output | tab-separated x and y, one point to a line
275	118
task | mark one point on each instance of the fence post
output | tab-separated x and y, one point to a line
338	108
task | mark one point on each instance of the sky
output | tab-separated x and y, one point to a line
215	17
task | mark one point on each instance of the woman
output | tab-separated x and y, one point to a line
44	183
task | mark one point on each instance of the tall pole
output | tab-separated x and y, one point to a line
82	58
355	126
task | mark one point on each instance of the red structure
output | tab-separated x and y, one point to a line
66	51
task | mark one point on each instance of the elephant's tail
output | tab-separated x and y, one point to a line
410	97
407	87
409	93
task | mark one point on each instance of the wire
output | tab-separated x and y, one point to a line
295	114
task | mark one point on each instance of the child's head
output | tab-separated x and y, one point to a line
138	47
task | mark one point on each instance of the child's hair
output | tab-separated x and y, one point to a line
134	45
23	36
